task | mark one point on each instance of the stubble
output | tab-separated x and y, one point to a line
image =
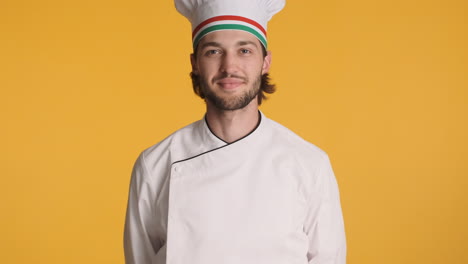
230	103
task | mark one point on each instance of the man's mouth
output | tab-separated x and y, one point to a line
230	83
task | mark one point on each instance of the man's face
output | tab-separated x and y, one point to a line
230	64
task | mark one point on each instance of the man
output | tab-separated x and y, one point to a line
235	187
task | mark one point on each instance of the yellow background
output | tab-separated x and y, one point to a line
379	85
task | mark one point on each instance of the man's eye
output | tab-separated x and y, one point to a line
245	51
212	52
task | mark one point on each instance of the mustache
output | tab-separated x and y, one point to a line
226	75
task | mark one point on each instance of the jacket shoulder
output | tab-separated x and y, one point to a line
311	164
296	144
168	150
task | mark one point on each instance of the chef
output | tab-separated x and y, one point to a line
234	187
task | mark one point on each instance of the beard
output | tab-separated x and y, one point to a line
233	102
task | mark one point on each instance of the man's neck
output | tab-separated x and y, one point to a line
232	125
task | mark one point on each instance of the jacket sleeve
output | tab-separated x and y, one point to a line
324	220
140	243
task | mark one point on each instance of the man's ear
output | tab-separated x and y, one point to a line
266	63
193	61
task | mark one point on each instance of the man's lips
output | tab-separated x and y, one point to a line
230	83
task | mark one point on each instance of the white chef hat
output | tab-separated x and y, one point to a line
212	15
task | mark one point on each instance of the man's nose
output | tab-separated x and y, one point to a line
229	63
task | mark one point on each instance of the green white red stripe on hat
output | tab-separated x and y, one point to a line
226	23
207	16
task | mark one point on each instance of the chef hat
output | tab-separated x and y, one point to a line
212	15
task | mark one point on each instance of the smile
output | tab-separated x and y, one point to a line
230	83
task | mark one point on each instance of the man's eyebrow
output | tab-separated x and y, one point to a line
210	44
247	42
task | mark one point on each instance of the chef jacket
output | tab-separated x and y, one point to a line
268	198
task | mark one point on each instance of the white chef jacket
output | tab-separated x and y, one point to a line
268	198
